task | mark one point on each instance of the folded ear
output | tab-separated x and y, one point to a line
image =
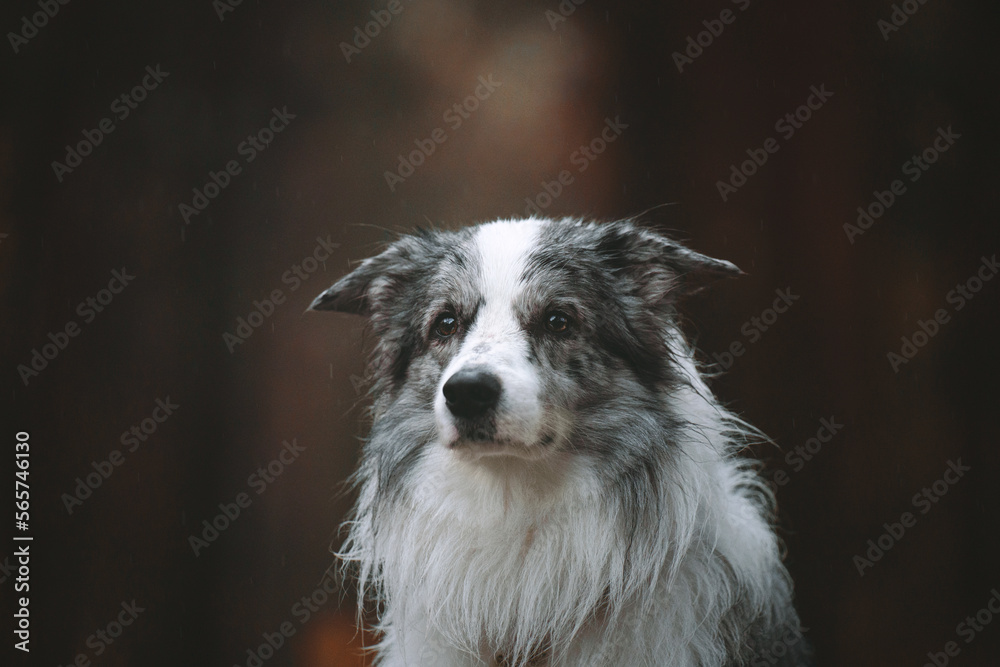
696	271
349	294
374	279
660	266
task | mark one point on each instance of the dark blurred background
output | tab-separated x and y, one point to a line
223	76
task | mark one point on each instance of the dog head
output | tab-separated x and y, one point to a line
517	338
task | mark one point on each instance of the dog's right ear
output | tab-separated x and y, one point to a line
375	279
349	294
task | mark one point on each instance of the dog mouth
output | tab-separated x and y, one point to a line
476	431
482	440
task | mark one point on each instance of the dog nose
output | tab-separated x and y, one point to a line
471	393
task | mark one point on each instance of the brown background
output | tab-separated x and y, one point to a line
295	377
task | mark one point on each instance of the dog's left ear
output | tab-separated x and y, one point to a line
660	266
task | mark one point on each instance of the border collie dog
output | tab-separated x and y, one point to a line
548	479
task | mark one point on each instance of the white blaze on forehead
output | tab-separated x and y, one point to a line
504	248
495	341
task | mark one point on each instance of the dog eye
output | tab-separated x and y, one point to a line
557	322
445	325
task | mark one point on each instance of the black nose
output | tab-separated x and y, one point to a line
471	392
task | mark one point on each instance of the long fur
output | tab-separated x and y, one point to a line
624	529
